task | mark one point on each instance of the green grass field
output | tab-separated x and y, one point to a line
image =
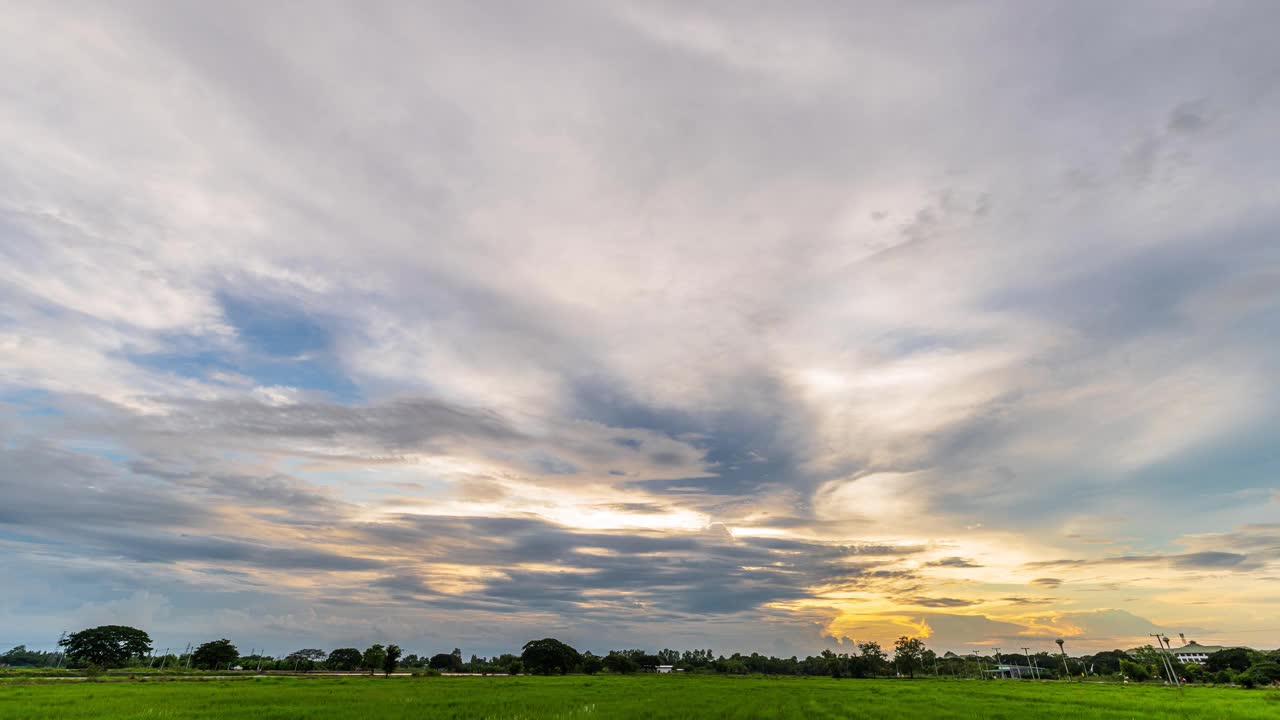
532	698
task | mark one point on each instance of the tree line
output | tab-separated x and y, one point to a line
117	646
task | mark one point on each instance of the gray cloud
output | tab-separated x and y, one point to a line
1209	560
397	426
1200	560
943	602
953	562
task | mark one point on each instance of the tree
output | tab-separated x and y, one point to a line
390	659
908	654
1260	673
929	659
106	646
445	662
215	653
874	661
591	664
373	658
1230	659
1152	658
20	656
343	659
305	659
620	663
1108	661
547	656
1135	671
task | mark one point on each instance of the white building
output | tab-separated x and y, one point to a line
665	668
1195	653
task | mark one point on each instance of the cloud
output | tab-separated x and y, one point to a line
953	562
1209	560
725	325
1197	560
943	602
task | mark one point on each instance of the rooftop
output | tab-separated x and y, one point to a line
1195	647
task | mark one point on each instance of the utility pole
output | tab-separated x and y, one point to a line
189	654
1164	660
165	658
1166	647
62	655
1063	650
1027	652
997	658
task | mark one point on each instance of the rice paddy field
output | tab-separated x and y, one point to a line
648	697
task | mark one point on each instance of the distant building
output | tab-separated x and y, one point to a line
665	668
1194	653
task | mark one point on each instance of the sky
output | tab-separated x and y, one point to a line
742	326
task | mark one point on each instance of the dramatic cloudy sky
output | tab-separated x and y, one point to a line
753	326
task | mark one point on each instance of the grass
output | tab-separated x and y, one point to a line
649	697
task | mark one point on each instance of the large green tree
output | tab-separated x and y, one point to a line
106	646
373	658
549	656
1108	661
1261	673
305	659
445	662
872	659
1230	659
1135	671
215	654
908	654
344	659
591	664
620	663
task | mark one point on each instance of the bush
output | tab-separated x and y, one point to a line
1223	677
